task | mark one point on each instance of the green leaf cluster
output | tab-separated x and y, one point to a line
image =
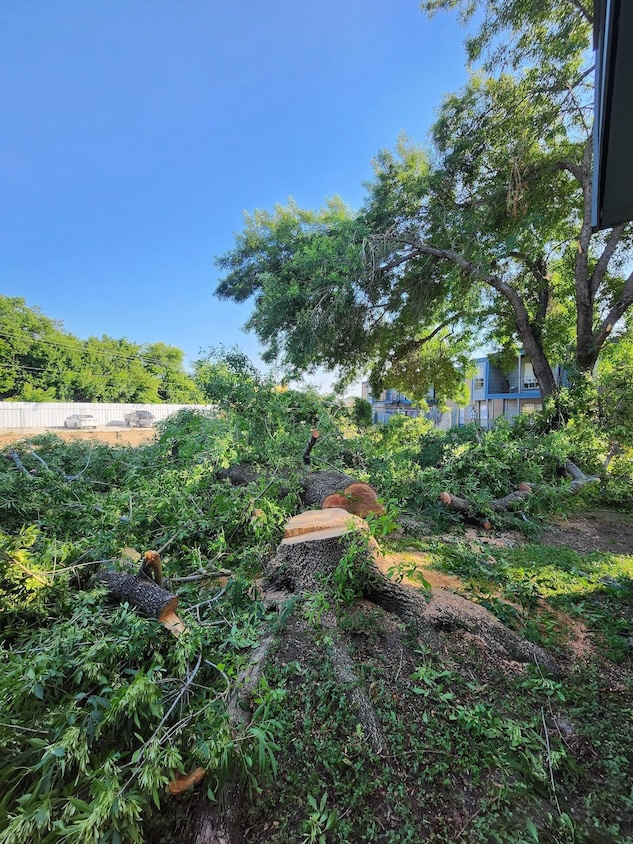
39	361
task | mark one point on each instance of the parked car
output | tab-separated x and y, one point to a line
139	419
80	420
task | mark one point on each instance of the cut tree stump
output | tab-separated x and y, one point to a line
311	521
306	562
318	485
359	499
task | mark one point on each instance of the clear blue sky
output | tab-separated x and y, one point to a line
136	132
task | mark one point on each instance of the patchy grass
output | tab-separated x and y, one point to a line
472	755
538	589
479	750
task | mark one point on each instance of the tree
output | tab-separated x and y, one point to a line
39	361
487	237
317	303
361	412
166	364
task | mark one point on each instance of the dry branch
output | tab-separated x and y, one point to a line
579	478
16	459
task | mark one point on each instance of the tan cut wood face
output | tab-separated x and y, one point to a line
184	781
316	520
336	500
362	492
314	535
173	623
359	499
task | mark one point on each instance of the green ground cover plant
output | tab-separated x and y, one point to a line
100	708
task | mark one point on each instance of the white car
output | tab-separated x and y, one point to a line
139	419
80	420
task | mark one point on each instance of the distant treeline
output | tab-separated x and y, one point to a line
39	361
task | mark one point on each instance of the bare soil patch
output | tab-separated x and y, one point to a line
116	436
421	562
597	530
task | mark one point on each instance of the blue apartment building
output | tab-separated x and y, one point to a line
393	403
388	404
493	394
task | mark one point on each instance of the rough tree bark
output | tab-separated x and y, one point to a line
305	563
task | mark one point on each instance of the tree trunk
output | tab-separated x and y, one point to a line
542	370
306	563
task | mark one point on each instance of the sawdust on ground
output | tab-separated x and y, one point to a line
116	436
411	561
578	637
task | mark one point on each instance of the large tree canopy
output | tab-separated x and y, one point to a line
39	361
487	237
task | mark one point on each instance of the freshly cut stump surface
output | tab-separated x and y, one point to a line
334	518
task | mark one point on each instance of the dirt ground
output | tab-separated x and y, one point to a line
112	436
410	561
596	530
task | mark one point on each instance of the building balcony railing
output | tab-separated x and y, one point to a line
512	384
528	382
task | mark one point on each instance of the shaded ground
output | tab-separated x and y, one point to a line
122	436
597	530
403	566
467	757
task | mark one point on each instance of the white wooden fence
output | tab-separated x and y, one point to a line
27	414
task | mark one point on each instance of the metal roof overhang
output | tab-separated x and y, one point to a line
613	124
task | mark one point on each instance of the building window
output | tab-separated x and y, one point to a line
478	383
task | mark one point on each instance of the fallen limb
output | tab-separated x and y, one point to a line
500	504
580	480
150	600
218	823
16	459
202	575
464	505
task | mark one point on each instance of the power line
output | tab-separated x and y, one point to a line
83	348
102	385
